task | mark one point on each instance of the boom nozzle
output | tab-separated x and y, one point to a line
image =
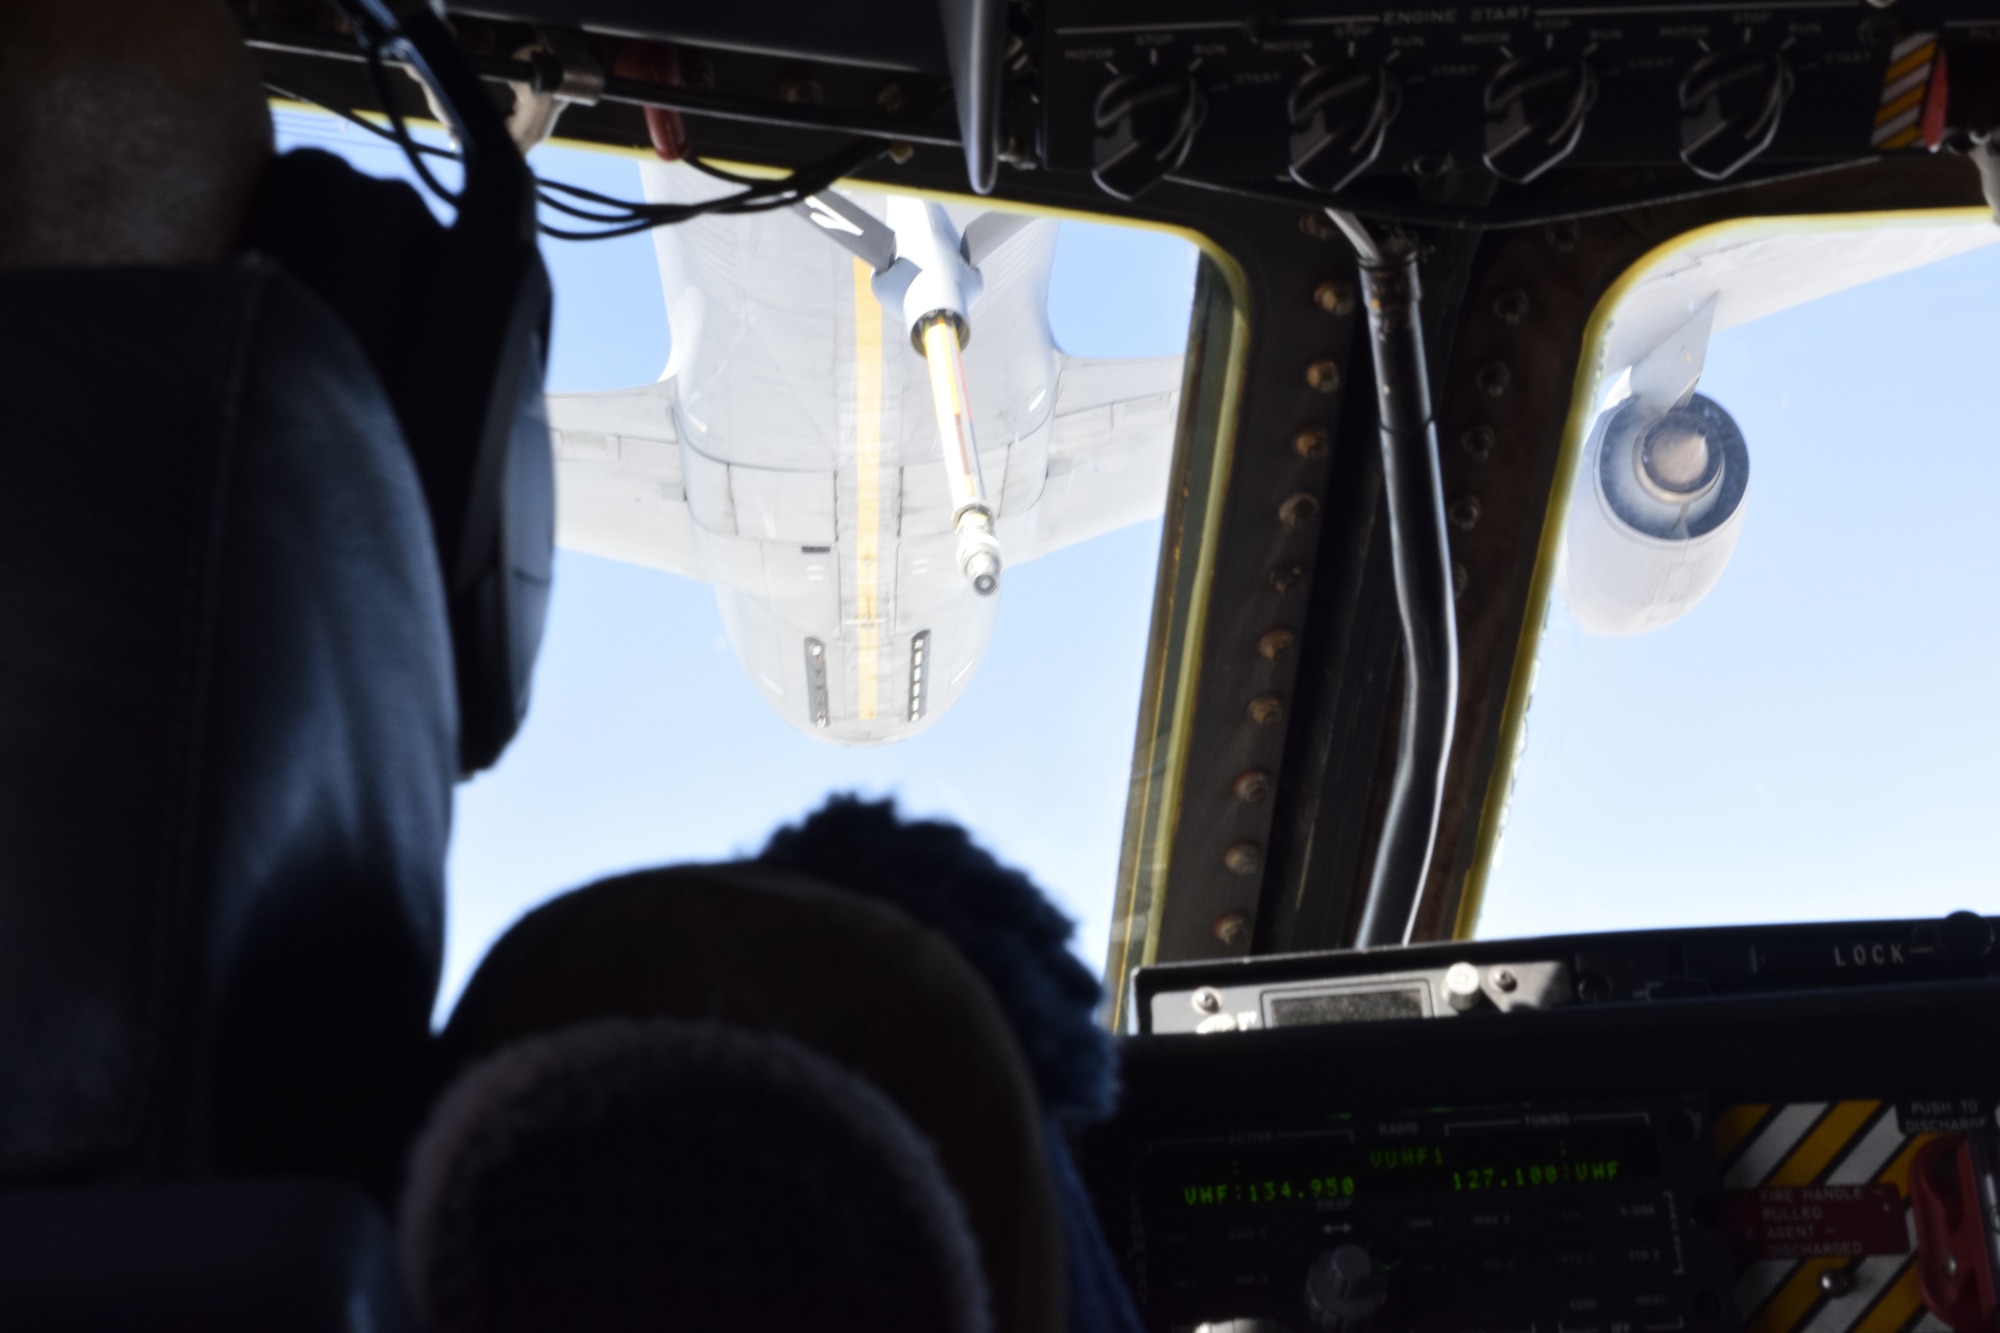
978	551
940	334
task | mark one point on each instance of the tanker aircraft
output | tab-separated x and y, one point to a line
821	450
808	449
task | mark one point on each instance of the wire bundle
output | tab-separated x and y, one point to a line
612	217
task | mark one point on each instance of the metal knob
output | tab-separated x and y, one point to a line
1731	102
1535	109
1339	114
1344	1289
1145	123
1461	987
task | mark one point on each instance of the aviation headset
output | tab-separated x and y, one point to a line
468	392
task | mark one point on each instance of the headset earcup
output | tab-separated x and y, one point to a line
501	619
456	324
500	578
470	395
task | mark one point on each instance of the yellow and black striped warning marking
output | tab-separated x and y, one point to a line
1801	1146
1904	86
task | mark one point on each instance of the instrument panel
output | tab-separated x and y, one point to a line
1493	1217
1804	1158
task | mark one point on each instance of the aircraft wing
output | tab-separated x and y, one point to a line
1109	448
1756	269
619	487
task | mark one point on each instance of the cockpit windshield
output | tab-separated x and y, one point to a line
1764	687
763	593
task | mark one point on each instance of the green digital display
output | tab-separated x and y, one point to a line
1308	1172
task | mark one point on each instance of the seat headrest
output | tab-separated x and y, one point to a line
675	1175
856	982
227	736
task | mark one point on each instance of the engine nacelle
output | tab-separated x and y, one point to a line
1656	516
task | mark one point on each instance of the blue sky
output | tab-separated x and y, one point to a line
1820	737
646	743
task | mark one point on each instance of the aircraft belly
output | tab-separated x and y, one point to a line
764	644
811	466
795	508
867	694
759	374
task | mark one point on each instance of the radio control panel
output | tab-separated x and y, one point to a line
1503	1218
1778	1129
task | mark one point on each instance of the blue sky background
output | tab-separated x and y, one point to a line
646	743
1820	738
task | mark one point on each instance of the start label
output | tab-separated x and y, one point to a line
1819	1221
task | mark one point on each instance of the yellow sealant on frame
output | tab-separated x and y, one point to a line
1582	415
1173	670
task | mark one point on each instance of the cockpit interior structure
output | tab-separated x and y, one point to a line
281	546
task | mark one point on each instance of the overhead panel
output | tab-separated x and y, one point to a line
888	34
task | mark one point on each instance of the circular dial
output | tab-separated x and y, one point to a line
1344	1289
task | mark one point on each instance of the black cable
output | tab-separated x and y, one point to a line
430	150
590	196
377	78
607	234
727	203
356	119
585	214
629	218
1420	562
734	178
764	196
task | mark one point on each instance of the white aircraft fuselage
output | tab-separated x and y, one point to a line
790	455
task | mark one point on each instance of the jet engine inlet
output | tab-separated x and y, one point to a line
1662	507
1677	462
971	516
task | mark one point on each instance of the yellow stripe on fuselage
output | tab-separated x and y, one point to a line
867	489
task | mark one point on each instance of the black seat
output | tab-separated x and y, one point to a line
227	745
672	1174
758	950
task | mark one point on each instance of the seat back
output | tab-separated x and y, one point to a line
227	738
771	952
671	1174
